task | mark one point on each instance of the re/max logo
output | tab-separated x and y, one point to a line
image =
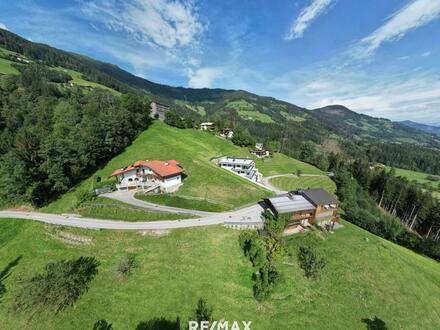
219	325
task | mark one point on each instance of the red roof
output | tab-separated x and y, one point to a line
161	168
123	170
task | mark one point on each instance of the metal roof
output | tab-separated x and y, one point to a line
288	203
318	196
236	160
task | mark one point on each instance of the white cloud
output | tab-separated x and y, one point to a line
204	77
2	26
379	91
426	54
404	57
306	17
416	14
161	23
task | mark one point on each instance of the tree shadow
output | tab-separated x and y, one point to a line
5	273
159	324
375	323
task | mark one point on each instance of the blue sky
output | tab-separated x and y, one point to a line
379	57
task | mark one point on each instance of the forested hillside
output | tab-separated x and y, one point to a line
53	136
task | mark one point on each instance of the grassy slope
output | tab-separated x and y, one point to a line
193	149
363	278
255	115
78	80
185	203
419	177
6	67
292	183
282	164
106	208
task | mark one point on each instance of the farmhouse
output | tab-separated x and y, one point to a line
150	174
240	165
159	110
260	151
208	126
227	133
305	207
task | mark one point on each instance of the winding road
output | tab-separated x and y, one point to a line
250	214
128	197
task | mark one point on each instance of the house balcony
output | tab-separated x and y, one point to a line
302	216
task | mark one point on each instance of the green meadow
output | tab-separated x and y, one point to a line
6	67
304	182
418	177
106	208
78	80
365	277
282	164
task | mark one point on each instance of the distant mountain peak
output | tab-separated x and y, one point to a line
423	127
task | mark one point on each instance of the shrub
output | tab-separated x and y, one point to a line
127	265
253	248
203	311
265	280
102	325
311	261
59	286
433	177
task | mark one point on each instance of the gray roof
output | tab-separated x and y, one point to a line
288	203
318	196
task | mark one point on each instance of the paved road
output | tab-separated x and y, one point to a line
128	197
249	214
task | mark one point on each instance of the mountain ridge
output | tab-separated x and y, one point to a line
231	107
433	129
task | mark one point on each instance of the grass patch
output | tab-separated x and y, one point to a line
282	164
304	182
292	117
6	67
196	108
255	115
184	203
418	177
193	149
365	276
242	105
78	80
106	208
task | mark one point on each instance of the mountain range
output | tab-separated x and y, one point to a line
266	118
427	128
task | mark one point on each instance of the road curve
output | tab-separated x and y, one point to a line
128	197
248	214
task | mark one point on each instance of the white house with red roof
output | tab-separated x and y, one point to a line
144	174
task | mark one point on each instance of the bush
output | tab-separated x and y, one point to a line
59	286
311	261
203	311
253	248
265	280
127	265
102	325
433	177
